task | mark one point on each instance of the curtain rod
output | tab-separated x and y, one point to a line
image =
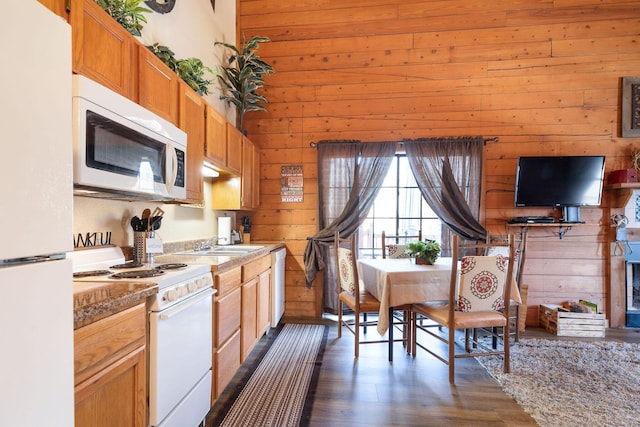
315	144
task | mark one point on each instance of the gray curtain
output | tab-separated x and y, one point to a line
350	174
449	174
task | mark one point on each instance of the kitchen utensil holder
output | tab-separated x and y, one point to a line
140	246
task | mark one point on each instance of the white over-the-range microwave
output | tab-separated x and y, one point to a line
122	150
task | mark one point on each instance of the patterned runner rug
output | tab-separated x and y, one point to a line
279	391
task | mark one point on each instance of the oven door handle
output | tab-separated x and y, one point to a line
186	304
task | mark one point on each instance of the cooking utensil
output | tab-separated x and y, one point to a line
145	217
157	212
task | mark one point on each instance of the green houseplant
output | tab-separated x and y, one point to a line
243	76
127	13
191	70
425	252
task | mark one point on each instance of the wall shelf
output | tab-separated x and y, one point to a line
563	227
621	192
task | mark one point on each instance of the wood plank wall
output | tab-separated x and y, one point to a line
543	76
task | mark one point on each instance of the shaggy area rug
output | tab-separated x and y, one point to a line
573	383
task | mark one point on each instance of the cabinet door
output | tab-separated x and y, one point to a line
191	120
227	316
115	396
264	298
216	137
227	363
102	49
246	197
234	150
157	86
256	178
249	317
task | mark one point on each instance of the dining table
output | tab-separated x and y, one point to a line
400	281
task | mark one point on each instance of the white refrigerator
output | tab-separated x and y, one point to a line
36	186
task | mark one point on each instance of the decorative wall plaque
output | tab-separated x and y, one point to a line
630	107
292	184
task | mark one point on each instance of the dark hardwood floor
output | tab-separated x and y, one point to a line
370	391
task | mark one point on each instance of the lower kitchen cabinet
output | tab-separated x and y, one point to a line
255	302
226	329
111	371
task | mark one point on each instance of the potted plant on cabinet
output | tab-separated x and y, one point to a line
425	252
191	70
243	76
127	13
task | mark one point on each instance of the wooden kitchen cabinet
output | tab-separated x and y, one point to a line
255	302
249	328
234	149
226	328
101	48
191	119
157	86
223	143
110	373
239	193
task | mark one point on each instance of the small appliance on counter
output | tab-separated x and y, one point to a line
224	230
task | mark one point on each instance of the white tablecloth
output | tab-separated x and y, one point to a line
399	281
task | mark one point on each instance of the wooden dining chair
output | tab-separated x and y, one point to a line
392	248
520	253
352	293
479	298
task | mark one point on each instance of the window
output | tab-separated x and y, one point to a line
398	209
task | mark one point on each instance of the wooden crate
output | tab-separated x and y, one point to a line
569	324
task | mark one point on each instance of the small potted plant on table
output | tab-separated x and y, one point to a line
425	251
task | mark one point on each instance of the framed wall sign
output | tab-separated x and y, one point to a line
630	107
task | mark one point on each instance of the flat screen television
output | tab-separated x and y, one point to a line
560	181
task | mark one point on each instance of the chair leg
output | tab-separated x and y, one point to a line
364	328
339	318
356	328
390	334
452	357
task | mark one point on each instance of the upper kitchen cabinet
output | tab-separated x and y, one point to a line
215	145
223	143
157	86
192	120
239	193
234	149
57	6
102	49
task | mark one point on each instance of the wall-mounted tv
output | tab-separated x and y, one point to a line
560	181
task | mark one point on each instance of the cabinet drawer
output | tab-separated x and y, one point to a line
226	317
99	344
227	362
254	268
228	280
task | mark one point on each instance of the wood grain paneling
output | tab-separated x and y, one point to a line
542	75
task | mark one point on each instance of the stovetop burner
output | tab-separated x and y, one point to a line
127	265
92	273
171	266
137	274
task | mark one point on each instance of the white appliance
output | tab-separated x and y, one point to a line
180	331
36	308
277	285
122	150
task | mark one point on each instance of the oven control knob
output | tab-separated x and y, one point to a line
171	295
182	290
192	286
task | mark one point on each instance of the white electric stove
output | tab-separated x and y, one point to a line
180	330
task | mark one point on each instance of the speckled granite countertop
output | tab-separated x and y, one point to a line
219	263
93	301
